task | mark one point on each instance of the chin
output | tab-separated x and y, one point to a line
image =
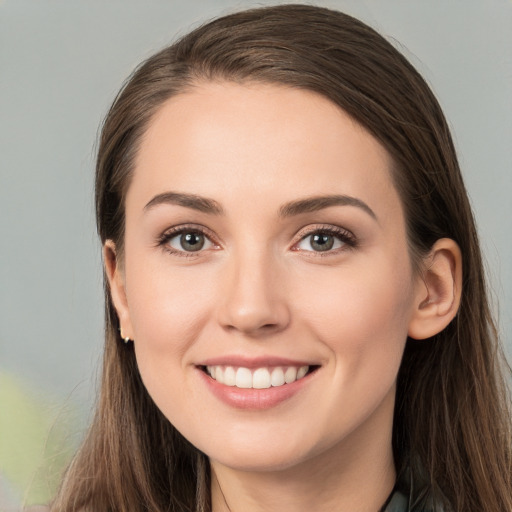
258	461
267	453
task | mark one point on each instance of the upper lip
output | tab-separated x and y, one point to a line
253	362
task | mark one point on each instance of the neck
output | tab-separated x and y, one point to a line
357	475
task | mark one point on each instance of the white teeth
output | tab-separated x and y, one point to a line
290	375
243	378
229	376
301	372
219	374
277	377
261	378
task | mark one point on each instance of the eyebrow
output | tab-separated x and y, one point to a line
306	205
199	203
314	204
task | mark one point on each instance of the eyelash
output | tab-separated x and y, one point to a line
347	238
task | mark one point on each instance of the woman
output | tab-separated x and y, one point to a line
296	314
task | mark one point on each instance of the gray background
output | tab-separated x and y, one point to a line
61	63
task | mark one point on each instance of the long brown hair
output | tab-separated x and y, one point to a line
451	439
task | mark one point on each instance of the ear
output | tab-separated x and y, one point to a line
439	288
115	276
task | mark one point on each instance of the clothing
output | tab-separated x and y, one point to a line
398	503
413	493
405	498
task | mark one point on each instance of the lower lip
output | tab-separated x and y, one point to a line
254	398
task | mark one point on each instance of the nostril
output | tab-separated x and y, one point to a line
265	328
253	315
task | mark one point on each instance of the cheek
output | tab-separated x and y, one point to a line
361	316
361	313
168	312
168	309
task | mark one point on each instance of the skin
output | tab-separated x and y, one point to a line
259	289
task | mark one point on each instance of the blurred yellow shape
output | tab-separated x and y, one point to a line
35	442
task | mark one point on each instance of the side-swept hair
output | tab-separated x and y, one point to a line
451	434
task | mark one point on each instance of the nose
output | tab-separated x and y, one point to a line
254	299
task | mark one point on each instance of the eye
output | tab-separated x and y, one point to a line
325	240
188	241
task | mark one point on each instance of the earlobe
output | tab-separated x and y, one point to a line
438	290
116	281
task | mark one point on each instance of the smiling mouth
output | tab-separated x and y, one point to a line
257	378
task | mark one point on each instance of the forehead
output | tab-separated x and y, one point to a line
224	139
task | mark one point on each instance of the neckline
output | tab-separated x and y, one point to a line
388	500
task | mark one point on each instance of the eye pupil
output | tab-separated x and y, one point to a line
192	241
322	242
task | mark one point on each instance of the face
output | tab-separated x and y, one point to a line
266	278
